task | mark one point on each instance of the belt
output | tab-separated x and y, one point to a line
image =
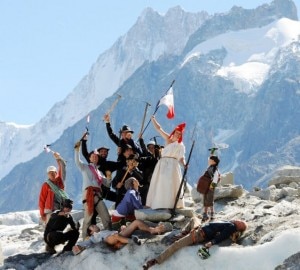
169	157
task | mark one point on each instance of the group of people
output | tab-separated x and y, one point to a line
144	177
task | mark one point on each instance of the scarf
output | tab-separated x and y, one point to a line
97	174
60	194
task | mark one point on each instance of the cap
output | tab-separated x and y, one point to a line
126	128
240	225
51	169
151	143
133	156
180	128
102	147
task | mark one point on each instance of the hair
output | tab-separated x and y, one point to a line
215	159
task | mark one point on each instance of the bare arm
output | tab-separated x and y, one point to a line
157	126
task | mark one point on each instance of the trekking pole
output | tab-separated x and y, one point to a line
183	179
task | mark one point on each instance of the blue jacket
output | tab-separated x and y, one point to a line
130	202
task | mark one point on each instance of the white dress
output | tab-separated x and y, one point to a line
166	178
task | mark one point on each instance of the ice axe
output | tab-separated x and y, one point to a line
49	150
144	117
86	130
114	104
218	146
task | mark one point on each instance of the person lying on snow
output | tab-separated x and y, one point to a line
210	234
117	239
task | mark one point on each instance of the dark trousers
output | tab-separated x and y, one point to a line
108	194
56	238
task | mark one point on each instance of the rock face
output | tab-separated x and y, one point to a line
286	175
291	263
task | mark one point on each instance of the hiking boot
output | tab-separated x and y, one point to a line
50	249
150	263
136	240
203	253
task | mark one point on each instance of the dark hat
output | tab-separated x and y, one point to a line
215	159
126	128
127	146
67	204
102	147
134	156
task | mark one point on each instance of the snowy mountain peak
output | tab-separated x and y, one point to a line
249	53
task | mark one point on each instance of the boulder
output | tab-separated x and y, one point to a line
152	215
263	194
226	179
229	191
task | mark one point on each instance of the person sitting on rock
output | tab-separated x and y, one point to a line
131	201
117	239
210	234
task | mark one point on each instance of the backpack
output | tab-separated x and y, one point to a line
204	183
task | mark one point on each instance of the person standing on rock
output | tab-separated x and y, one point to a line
92	198
52	193
207	184
167	175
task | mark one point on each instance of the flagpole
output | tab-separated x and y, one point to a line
157	106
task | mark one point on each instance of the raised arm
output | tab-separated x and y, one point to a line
157	126
61	166
109	130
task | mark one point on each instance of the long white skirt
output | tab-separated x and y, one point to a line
164	185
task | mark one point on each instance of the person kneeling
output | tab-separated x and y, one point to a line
57	223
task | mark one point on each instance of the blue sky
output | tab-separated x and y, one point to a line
48	46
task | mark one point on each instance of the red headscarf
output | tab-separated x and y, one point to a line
180	128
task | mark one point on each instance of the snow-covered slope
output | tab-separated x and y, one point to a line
273	235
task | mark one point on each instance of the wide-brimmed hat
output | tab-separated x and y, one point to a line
102	147
126	128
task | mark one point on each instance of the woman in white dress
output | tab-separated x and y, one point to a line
167	173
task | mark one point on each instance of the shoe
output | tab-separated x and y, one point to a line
205	217
212	216
77	249
203	253
50	249
136	240
150	263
